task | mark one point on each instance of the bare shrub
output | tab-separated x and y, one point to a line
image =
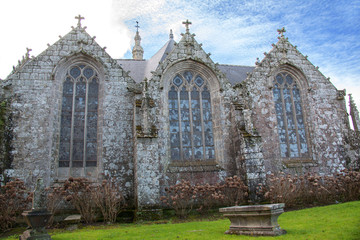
55	197
79	192
207	196
180	197
233	191
109	200
348	183
311	189
14	199
183	196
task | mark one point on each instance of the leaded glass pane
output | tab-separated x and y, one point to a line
174	127
185	115
199	81
175	153
93	88
75	72
188	76
173	114
187	153
185	127
279	79
210	152
289	79
284	149
78	151
88	72
91	163
178	81
174	139
294	151
277	95
198	152
92	119
64	163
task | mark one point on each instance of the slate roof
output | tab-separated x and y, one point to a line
236	74
141	69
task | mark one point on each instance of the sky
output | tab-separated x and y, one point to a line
234	32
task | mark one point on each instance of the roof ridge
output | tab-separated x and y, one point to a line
234	65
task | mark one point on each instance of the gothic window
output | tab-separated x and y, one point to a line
79	116
191	130
290	118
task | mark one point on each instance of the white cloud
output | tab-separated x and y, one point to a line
235	32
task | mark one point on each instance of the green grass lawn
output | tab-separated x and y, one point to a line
341	221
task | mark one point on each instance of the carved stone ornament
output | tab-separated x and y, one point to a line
341	94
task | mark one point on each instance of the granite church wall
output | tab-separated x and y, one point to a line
323	111
35	90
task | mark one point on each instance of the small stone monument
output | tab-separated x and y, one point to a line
38	217
254	220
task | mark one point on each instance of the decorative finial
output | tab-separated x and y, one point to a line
171	35
281	31
79	18
28	50
187	23
137	51
137	26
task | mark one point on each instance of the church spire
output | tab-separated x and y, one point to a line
171	35
137	51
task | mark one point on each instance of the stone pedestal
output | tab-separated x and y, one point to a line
255	220
37	220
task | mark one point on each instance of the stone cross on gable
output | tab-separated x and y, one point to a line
79	18
137	26
187	23
281	31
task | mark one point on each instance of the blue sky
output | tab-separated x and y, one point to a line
234	32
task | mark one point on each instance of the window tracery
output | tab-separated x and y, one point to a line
290	117
191	130
79	115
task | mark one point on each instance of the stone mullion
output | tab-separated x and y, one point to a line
179	120
202	125
191	126
285	120
85	121
72	124
295	121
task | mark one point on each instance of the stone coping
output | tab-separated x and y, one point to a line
251	208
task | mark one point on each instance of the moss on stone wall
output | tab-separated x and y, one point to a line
5	139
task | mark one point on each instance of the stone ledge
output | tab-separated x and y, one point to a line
194	166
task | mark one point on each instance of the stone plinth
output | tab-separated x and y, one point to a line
38	217
255	220
37	220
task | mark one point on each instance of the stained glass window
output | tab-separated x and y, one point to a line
290	118
191	131
79	115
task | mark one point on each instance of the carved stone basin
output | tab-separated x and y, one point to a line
37	219
255	220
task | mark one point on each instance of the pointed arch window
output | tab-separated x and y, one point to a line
191	129
79	115
290	117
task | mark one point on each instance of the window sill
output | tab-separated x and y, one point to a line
299	162
194	166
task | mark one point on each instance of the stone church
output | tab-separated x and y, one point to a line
76	111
